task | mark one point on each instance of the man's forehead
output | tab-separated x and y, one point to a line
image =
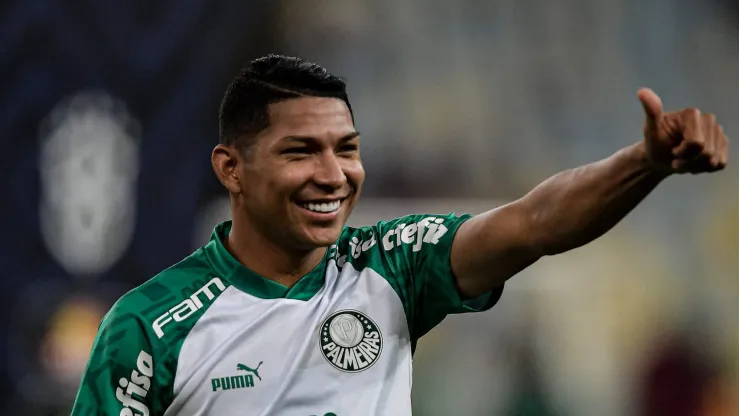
310	115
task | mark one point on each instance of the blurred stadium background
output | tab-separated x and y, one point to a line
108	113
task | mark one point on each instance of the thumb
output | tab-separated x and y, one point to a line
652	105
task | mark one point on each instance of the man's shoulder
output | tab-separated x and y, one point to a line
168	287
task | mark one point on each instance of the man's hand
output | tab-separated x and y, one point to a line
686	141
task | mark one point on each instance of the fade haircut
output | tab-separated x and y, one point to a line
267	80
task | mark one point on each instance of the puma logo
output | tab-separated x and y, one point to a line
237	382
255	371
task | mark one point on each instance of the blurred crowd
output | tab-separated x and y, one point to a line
109	113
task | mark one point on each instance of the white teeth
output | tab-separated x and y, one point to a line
323	207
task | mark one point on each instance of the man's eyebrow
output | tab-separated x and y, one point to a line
350	136
309	139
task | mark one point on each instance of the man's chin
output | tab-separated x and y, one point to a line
324	241
321	238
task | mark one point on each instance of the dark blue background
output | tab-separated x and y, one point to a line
169	61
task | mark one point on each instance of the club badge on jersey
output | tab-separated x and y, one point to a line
350	341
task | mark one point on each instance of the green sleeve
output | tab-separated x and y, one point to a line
416	251
123	375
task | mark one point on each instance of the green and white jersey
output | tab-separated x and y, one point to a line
210	337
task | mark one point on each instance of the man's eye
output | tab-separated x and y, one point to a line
348	148
296	151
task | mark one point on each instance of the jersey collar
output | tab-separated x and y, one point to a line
250	282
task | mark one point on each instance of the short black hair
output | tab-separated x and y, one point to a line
271	79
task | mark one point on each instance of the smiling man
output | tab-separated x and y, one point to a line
286	311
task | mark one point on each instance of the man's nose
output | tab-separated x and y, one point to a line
329	173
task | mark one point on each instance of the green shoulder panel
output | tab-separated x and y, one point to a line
413	254
133	362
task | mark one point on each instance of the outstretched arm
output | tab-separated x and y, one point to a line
574	207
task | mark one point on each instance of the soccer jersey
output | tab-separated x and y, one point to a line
210	337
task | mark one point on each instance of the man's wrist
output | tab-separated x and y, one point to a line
652	167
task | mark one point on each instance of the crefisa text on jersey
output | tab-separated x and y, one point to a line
429	230
132	392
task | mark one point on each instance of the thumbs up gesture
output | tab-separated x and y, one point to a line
685	141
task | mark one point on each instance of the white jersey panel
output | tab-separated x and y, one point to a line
255	356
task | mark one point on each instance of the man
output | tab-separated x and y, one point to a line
288	312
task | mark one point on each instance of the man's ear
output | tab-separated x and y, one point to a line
226	161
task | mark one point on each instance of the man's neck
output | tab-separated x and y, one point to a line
261	255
